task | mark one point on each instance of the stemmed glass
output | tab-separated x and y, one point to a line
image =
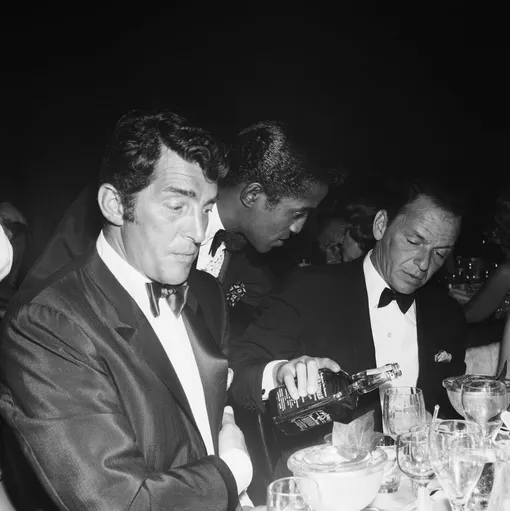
413	460
483	401
293	494
403	408
456	455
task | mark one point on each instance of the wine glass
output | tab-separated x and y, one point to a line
457	457
293	494
413	460
403	408
483	401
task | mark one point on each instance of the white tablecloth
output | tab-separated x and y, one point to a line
404	499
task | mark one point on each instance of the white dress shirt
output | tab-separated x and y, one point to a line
394	333
5	254
172	334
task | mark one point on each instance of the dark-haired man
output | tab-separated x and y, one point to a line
366	313
113	380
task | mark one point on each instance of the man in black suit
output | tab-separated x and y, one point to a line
340	315
113	397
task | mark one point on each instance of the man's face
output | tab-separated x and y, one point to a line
415	245
331	240
270	226
170	218
350	248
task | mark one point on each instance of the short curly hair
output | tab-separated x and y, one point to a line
269	153
137	145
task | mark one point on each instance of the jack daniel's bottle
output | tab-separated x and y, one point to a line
293	416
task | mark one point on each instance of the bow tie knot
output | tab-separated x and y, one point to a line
403	301
174	295
233	241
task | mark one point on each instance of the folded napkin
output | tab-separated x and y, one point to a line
358	433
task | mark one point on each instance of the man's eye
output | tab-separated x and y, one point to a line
412	242
300	214
442	255
174	207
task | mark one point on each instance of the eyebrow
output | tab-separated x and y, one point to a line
421	238
188	193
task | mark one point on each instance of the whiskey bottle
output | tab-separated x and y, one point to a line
293	416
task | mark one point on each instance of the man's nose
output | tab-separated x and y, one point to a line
198	228
422	260
295	227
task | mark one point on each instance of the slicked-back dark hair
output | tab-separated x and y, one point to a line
402	193
137	145
269	153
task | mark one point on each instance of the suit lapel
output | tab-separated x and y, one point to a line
211	364
425	339
363	341
132	325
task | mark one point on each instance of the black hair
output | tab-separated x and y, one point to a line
137	145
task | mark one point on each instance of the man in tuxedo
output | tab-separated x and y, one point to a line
113	382
363	314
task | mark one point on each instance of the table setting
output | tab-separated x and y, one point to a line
418	463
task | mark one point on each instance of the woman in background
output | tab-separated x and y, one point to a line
347	233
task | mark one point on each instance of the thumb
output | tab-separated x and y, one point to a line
327	363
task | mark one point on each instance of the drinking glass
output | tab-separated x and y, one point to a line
457	457
413	460
391	477
403	408
483	400
293	494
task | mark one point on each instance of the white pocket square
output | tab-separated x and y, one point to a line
443	357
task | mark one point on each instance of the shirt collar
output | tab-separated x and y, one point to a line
213	226
130	278
374	282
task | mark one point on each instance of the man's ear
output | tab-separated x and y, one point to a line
110	204
380	224
251	193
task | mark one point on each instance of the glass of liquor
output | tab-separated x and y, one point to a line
456	453
293	494
403	408
413	460
483	401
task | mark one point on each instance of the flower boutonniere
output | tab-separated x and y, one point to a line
443	357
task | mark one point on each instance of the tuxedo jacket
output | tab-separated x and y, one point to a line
322	311
91	400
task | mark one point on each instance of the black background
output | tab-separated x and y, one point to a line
384	87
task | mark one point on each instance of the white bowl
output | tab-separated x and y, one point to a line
453	385
348	478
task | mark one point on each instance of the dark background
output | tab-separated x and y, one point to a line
421	89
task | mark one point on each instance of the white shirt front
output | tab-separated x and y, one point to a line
394	333
172	334
205	261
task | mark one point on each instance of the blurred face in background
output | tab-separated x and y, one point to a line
331	240
350	248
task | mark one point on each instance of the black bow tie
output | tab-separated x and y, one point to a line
174	295
234	242
403	301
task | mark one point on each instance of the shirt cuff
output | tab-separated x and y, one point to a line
268	380
240	465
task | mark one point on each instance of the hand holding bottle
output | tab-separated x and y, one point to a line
306	371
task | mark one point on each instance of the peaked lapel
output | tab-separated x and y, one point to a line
362	340
212	365
132	325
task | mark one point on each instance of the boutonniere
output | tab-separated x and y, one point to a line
443	356
235	293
